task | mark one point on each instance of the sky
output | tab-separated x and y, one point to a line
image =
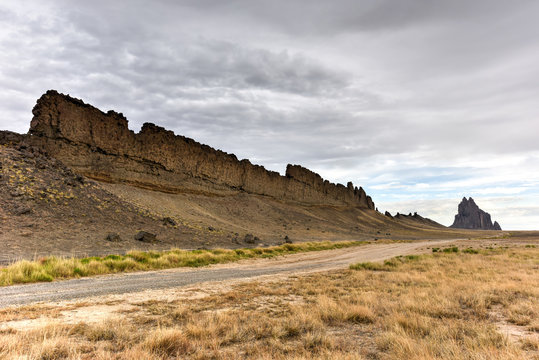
421	102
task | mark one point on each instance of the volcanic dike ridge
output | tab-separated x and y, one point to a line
100	145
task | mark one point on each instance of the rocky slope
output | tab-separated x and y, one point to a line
470	216
46	208
415	218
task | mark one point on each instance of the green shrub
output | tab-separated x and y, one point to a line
367	266
393	262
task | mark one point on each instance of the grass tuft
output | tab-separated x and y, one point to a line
168	343
387	265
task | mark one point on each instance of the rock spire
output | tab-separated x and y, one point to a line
470	216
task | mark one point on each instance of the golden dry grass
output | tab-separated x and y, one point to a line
52	268
438	306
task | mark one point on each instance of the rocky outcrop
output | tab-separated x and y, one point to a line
313	181
415	218
470	216
101	146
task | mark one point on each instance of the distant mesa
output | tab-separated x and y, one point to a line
470	216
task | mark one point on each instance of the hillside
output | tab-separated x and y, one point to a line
81	175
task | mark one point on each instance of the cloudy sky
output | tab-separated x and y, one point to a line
421	102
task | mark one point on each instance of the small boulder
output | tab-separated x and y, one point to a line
145	236
73	180
22	210
16	193
169	221
113	237
249	239
70	182
41	164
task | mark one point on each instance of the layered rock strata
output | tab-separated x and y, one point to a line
101	146
470	216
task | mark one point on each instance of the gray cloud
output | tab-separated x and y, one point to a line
335	17
416	100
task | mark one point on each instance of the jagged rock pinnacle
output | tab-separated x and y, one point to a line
470	216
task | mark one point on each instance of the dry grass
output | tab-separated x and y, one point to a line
52	268
438	306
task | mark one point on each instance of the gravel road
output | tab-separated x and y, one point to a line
164	279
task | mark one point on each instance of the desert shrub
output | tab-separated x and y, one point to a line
168	343
367	266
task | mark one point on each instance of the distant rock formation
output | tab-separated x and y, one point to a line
470	216
101	146
414	217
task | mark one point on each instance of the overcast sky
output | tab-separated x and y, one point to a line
421	102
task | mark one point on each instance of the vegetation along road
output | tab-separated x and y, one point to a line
154	280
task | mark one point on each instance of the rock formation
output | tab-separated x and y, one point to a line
470	216
415	217
101	146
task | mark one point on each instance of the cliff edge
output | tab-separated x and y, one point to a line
100	146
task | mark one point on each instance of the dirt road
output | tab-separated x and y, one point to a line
248	269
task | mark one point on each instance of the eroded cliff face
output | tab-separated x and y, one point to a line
470	216
101	146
